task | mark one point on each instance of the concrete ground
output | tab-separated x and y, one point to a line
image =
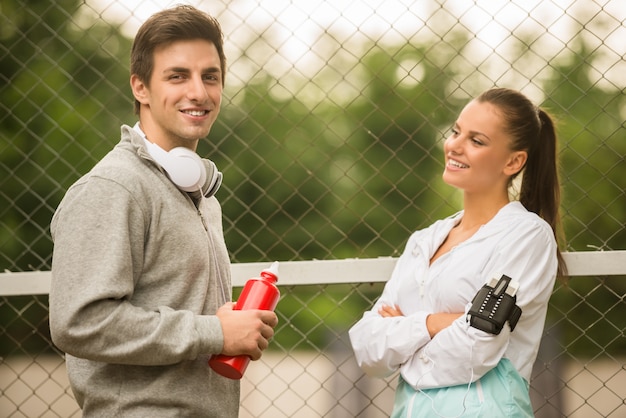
311	385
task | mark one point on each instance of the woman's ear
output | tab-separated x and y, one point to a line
516	162
139	88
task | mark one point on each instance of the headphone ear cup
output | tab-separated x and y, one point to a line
183	166
186	169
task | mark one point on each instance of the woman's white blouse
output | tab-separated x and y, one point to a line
515	242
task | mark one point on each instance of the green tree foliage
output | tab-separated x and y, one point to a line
591	129
331	181
63	94
593	176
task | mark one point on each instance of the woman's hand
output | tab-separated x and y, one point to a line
436	322
390	311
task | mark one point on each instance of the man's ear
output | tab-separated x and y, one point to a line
139	88
516	162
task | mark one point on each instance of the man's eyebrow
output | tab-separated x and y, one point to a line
212	70
187	70
176	70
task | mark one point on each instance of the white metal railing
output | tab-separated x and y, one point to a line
358	270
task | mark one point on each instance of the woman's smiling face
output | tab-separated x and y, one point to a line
478	157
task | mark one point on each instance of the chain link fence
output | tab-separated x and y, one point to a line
329	139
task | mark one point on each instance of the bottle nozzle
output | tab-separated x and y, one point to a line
273	269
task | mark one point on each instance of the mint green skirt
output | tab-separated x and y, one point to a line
500	393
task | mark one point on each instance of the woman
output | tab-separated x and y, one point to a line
419	325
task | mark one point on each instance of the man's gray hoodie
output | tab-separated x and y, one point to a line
139	270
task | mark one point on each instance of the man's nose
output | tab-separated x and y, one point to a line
197	90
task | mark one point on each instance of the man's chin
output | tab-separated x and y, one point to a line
195	133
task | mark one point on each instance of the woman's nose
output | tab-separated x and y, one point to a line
452	143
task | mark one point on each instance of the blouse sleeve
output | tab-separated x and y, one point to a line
382	345
460	353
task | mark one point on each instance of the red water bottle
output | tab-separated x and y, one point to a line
258	293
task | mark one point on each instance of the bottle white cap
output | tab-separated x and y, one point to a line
273	269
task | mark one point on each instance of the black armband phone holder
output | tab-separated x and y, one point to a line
494	304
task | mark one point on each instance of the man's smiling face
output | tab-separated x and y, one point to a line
183	98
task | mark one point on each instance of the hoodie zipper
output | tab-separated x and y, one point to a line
204	224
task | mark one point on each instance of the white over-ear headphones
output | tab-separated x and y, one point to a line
185	168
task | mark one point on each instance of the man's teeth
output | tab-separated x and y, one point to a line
195	112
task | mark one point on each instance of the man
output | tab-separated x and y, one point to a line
141	287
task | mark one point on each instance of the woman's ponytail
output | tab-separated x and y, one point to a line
540	191
532	130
